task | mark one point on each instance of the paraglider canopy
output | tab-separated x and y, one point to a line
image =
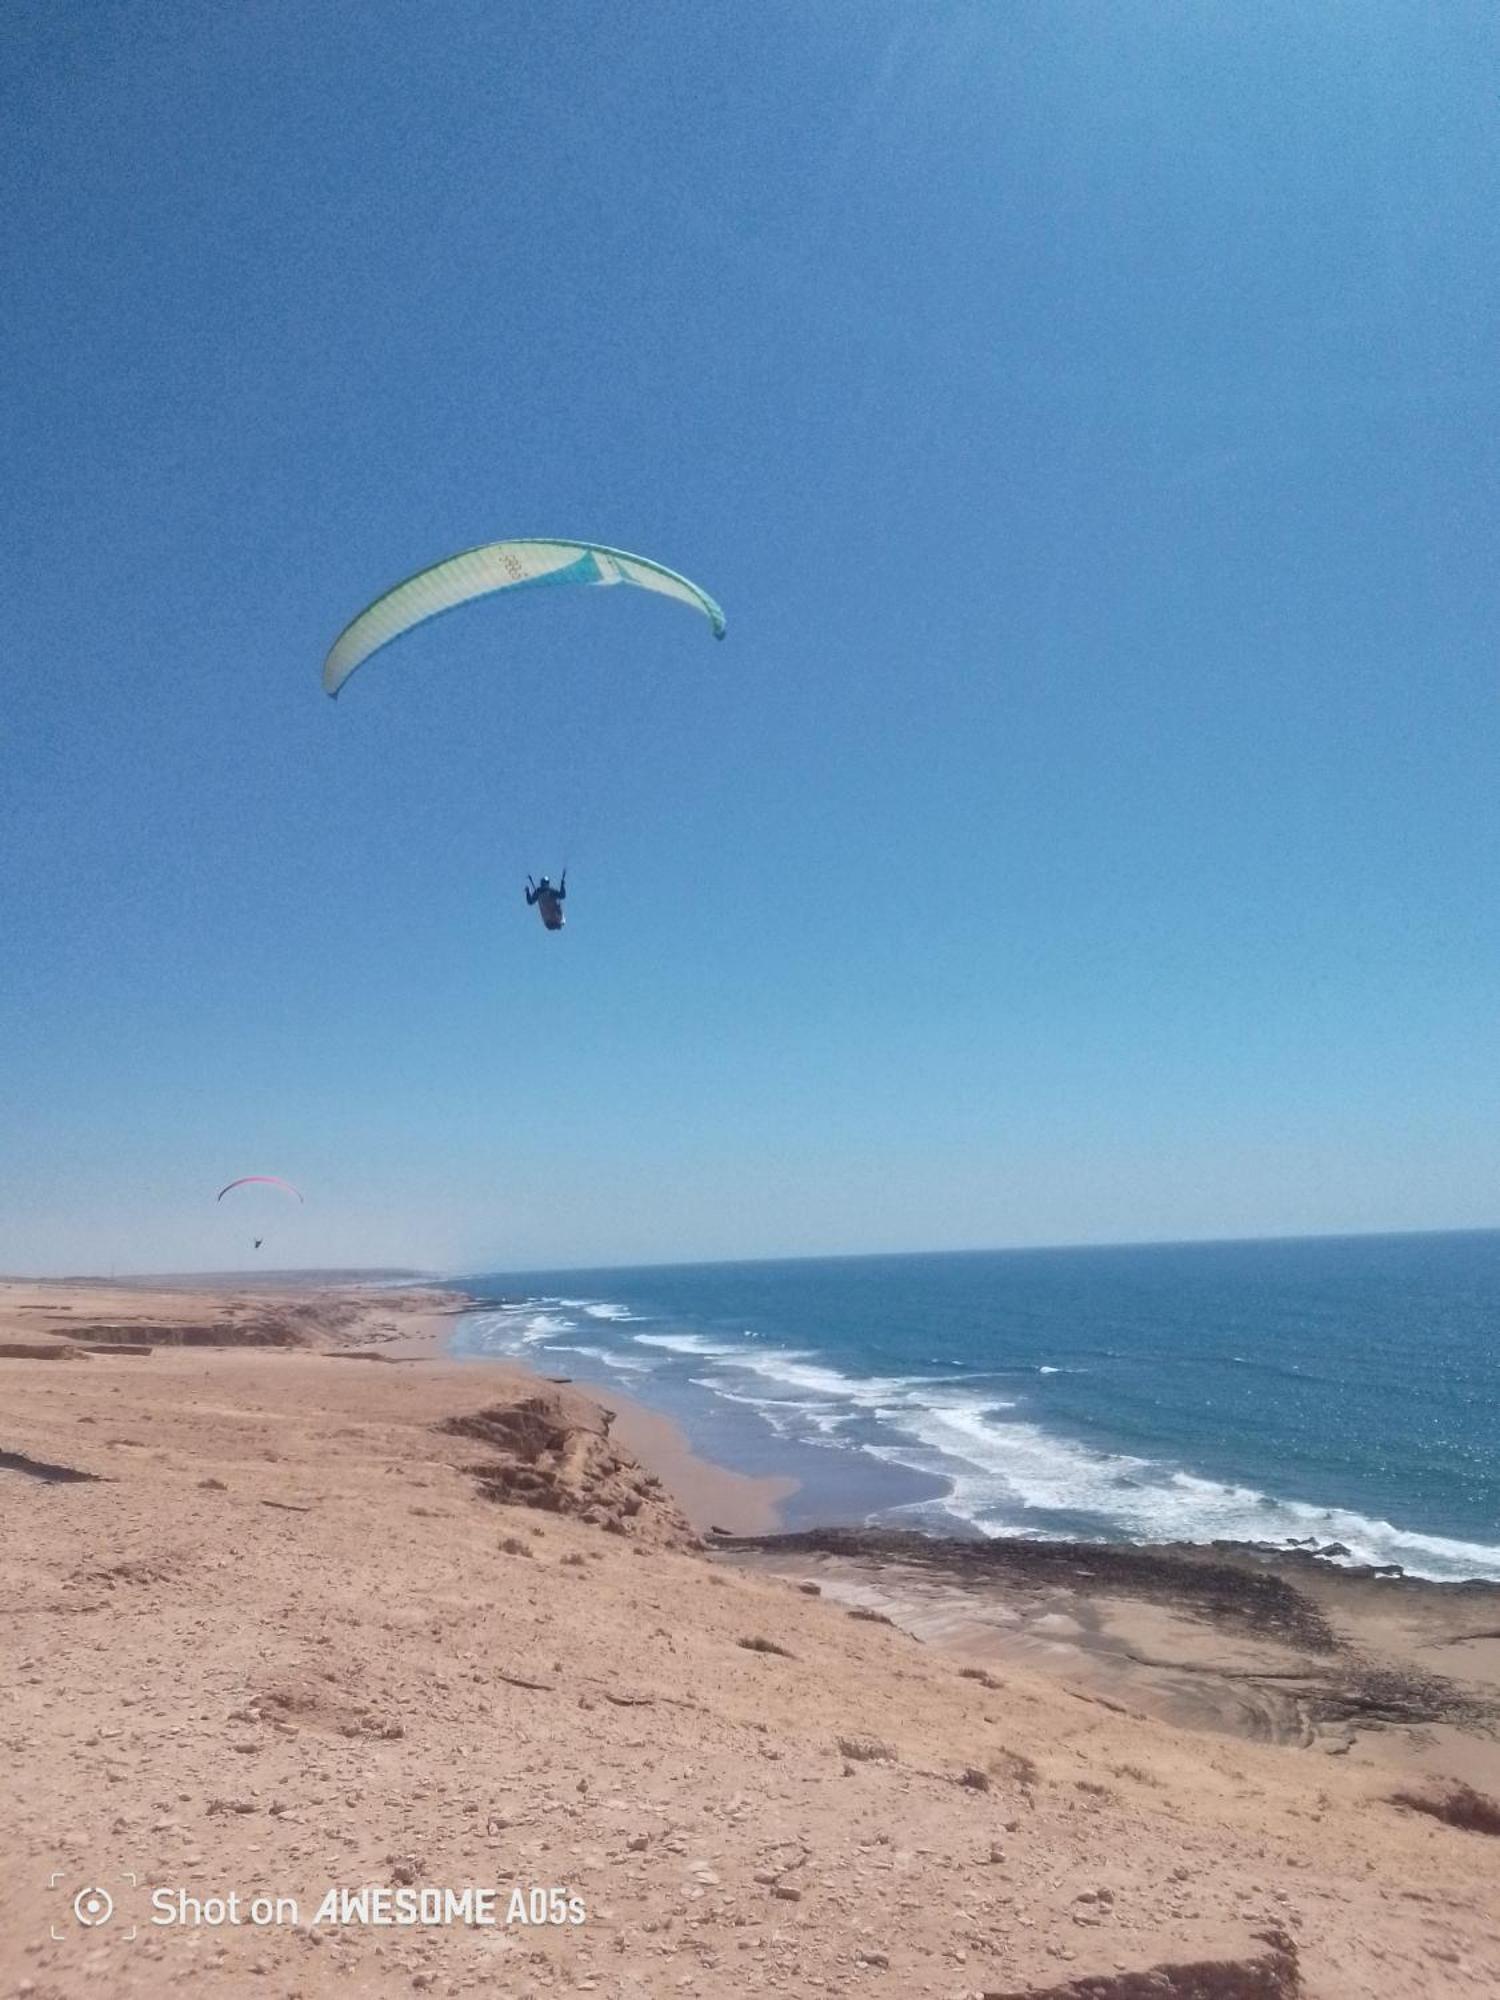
261	1180
500	566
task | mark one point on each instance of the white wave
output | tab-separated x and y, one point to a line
800	1369
533	1327
684	1343
797	1368
510	1329
840	1398
786	1415
1002	1471
715	1384
595	1308
1367	1540
627	1364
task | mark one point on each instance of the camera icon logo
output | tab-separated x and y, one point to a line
93	1906
90	1906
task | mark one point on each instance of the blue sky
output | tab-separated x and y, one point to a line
1088	420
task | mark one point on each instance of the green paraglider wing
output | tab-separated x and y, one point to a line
515	565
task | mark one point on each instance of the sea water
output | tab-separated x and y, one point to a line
1345	1390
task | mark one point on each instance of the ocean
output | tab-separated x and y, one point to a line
1342	1389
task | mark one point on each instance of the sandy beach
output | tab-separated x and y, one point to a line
296	1606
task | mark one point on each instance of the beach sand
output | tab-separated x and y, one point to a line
293	1604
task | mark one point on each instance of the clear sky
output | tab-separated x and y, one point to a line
1089	419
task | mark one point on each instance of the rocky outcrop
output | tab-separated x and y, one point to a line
1269	1975
1455	1805
1238	1595
554	1452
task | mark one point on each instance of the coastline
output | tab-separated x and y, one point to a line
410	1325
291	1600
1124	1622
1057	1607
995	1395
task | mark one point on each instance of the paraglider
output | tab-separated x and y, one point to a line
494	569
260	1180
548	901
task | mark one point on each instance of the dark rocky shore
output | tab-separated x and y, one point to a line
1276	1643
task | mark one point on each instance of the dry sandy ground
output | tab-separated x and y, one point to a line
299	1630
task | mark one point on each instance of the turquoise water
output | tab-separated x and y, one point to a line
1346	1389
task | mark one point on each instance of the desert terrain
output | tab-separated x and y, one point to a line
294	1606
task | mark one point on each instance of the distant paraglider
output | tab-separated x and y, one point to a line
496	568
260	1180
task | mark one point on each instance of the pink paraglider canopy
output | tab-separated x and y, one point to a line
266	1180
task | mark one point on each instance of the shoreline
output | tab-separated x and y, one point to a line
912	1465
406	1326
294	1600
1226	1637
382	1316
743	1515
